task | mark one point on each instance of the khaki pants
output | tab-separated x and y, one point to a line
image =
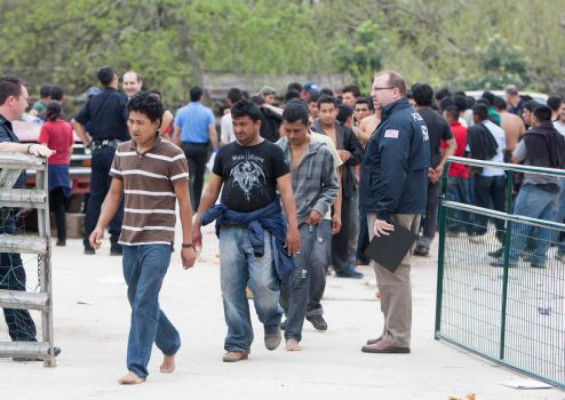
395	288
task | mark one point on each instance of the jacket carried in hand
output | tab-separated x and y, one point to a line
545	146
394	175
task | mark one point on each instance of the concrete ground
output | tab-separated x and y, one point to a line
92	319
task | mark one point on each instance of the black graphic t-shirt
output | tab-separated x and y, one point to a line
250	174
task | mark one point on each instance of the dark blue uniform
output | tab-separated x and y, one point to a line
106	116
12	273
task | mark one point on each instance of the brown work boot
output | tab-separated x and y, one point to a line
235	356
382	346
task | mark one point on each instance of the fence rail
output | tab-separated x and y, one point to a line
513	315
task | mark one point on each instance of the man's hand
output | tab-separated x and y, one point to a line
95	238
382	228
292	242
439	171
336	223
432	175
188	256
344	155
314	218
196	235
40	150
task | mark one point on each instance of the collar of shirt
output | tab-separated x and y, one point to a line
158	142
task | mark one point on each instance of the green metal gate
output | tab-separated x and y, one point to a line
514	316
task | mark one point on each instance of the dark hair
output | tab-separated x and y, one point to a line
105	75
326	99
489	96
542	113
295	111
499	103
291	94
470	100
259	100
352	89
344	112
446	102
294	86
460	102
234	95
57	93
443	92
452	112
554	102
244	108
314	97
147	104
423	94
481	112
366	100
53	111
531	105
10	85
483	101
45	91
327	92
196	93
460	93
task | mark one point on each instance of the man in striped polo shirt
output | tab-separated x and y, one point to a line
152	174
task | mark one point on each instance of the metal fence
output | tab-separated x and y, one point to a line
512	314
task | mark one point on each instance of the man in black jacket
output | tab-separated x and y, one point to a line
542	146
350	152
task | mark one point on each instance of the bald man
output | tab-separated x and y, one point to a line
131	83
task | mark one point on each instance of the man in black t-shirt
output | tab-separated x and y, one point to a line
438	131
250	171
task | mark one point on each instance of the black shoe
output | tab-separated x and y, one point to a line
560	256
89	251
530	258
116	250
496	253
537	265
318	322
57	351
61	243
350	272
421	251
282	325
500	263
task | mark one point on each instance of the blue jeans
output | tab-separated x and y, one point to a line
560	214
144	268
458	190
321	257
295	294
535	203
239	267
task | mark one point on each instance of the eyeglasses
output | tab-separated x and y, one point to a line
376	89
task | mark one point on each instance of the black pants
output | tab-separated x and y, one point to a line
340	241
58	205
429	223
100	181
490	192
13	277
196	154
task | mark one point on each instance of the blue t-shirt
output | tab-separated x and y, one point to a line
193	121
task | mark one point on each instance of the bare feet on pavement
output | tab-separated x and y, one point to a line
292	345
130	379
168	365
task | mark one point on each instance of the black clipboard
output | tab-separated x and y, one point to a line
389	251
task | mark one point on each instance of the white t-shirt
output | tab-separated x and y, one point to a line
499	136
560	126
226	129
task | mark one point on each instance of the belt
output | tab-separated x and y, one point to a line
98	144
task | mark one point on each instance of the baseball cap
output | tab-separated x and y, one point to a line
267	90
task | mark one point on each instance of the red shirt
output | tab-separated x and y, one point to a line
58	136
460	135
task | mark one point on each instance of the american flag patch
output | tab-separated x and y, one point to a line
391	133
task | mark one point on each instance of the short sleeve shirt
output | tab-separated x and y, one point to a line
58	135
193	121
106	116
438	131
150	199
250	174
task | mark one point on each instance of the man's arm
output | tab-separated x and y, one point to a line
450	149
328	190
31	149
354	148
176	136
109	209
284	184
213	136
336	217
208	200
81	132
185	210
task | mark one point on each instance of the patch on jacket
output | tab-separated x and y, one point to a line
391	133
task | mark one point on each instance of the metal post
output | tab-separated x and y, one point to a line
507	244
442	223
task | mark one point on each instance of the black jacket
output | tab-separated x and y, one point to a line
346	140
545	146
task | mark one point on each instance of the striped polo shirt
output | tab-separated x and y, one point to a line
150	200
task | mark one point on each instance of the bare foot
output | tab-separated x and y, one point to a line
130	379
168	365
292	345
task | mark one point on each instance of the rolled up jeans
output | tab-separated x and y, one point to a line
295	294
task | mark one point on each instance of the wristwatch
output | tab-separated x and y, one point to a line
186	245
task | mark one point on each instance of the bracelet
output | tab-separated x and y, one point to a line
29	148
186	245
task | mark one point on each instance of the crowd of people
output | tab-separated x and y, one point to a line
298	187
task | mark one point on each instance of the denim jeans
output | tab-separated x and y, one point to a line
295	294
239	267
100	181
144	268
560	214
490	192
535	203
458	190
321	257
